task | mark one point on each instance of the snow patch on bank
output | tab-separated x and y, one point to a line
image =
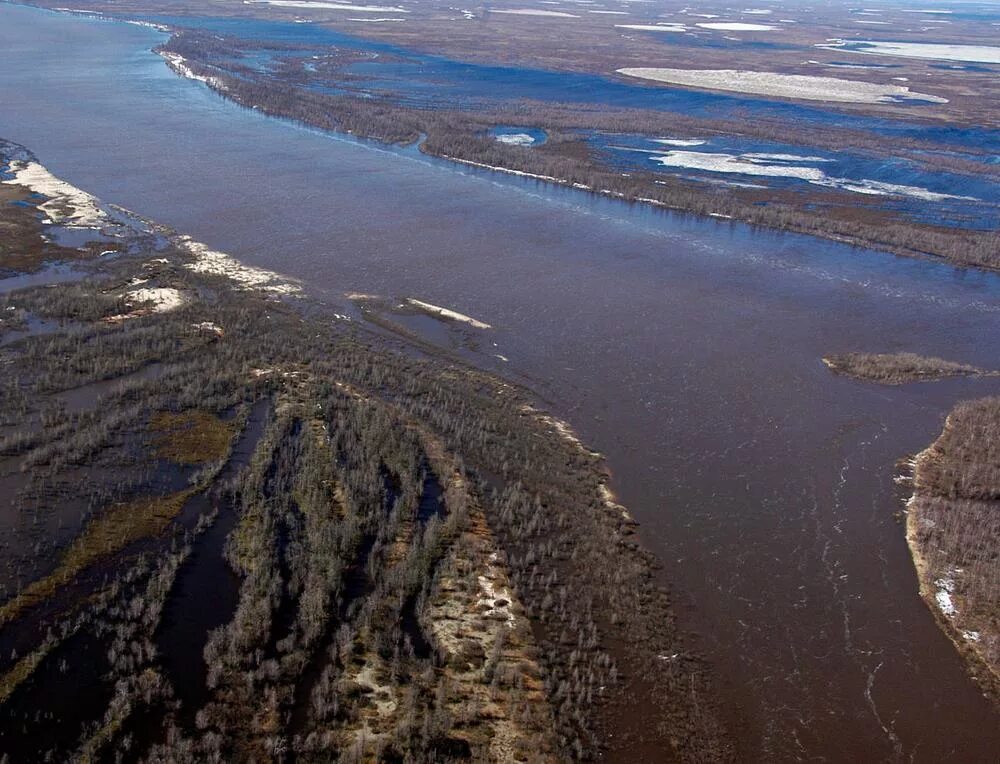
796	86
245	276
67	205
179	64
943	596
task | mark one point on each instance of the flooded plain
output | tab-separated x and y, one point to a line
687	350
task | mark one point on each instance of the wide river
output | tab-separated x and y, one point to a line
687	350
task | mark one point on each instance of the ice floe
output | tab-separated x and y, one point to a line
979	54
797	86
680	141
792	166
446	313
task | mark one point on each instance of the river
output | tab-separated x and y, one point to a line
687	350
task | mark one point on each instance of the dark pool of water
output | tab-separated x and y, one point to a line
686	350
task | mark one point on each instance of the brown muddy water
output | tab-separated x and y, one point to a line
686	350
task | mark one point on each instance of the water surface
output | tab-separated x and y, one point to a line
685	349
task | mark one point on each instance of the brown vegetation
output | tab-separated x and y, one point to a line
897	368
953	528
420	565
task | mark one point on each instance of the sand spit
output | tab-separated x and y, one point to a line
67	205
796	86
446	313
244	276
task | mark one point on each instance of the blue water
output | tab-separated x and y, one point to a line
431	81
629	153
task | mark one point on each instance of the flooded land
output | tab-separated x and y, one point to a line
318	446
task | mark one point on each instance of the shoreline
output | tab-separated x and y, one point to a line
893	235
934	589
493	495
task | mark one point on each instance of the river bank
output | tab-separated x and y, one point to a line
396	662
953	531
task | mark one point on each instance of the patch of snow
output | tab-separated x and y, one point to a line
178	63
783	166
797	86
879	188
736	26
534	12
325	6
945	603
446	313
246	276
515	139
164	299
208	326
680	141
653	27
67	205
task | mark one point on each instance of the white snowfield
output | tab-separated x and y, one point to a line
798	86
516	139
735	26
653	27
324	6
534	12
446	313
66	205
978	54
